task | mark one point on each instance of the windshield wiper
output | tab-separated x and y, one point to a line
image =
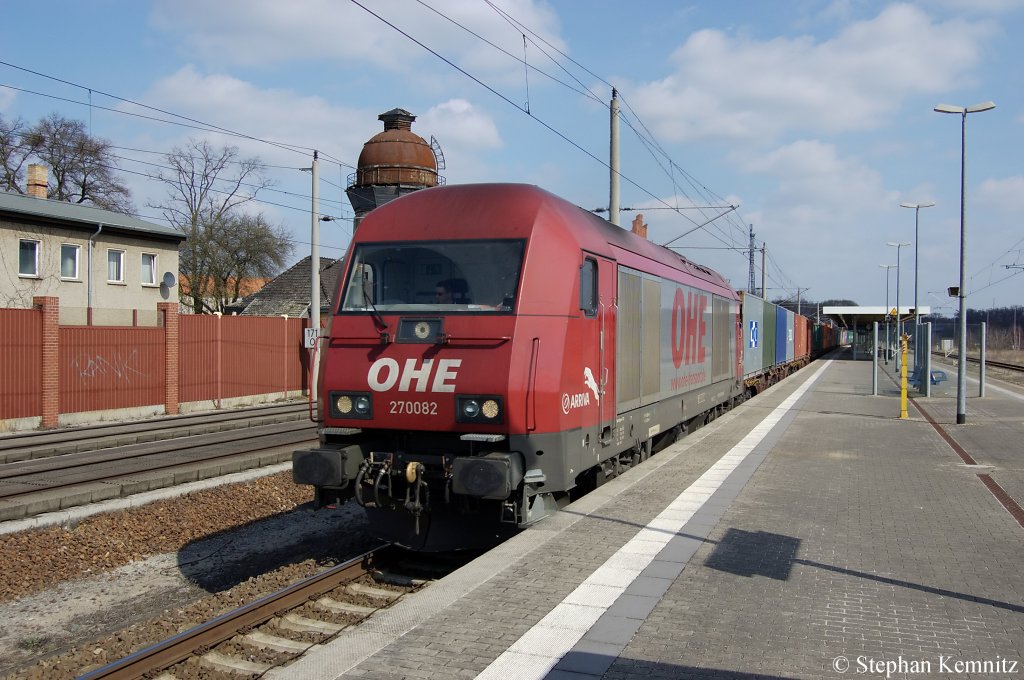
378	320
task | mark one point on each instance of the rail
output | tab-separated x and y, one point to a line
34	444
988	362
154	659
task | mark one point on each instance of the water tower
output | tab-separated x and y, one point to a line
393	163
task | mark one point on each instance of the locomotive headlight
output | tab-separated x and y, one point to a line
351	405
471	408
490	409
484	409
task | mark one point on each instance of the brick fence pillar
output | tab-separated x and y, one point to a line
50	309
168	313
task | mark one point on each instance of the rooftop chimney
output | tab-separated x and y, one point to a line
38	180
639	228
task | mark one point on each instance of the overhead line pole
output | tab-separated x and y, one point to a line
764	255
314	266
613	161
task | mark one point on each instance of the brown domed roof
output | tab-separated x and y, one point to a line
397	155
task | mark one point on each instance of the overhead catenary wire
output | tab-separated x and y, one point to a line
649	141
509	101
653	141
209	127
340	205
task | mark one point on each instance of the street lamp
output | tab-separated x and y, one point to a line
887	268
917	315
898	245
961	369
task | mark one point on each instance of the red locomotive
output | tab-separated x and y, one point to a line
495	350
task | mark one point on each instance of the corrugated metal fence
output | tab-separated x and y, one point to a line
102	368
234	356
108	367
21	333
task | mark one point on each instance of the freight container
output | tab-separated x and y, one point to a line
802	336
781	325
768	336
790	335
753	334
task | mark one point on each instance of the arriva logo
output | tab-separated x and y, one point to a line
581	399
384	374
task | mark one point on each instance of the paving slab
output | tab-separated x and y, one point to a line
809	533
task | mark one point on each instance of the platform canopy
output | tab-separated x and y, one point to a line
865	316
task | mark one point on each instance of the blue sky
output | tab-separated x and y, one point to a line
815	118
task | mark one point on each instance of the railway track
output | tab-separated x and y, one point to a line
186	451
278	628
1016	368
35	444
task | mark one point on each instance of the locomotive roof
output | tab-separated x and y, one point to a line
515	211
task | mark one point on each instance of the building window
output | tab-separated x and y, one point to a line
115	266
28	257
69	261
148	270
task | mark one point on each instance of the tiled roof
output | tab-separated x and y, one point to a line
86	216
289	292
249	285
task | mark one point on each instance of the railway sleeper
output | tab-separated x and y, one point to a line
370	591
230	664
336	607
302	624
275	643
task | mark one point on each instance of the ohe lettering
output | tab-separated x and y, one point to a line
384	374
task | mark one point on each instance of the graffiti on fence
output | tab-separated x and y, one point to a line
118	366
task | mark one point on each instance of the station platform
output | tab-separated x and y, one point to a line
808	533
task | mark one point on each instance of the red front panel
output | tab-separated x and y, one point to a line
413	386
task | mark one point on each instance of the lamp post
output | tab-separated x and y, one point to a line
899	327
887	268
917	315
961	369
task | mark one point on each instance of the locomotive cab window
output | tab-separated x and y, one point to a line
434	276
588	287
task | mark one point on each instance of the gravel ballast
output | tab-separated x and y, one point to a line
83	595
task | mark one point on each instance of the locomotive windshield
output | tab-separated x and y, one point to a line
437	276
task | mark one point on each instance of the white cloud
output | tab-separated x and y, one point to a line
734	86
262	32
269	114
815	182
463	131
459	122
1003	195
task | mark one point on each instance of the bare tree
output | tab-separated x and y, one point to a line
248	246
17	145
206	187
82	168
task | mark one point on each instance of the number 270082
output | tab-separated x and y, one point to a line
415	408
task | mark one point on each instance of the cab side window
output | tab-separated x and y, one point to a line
588	287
